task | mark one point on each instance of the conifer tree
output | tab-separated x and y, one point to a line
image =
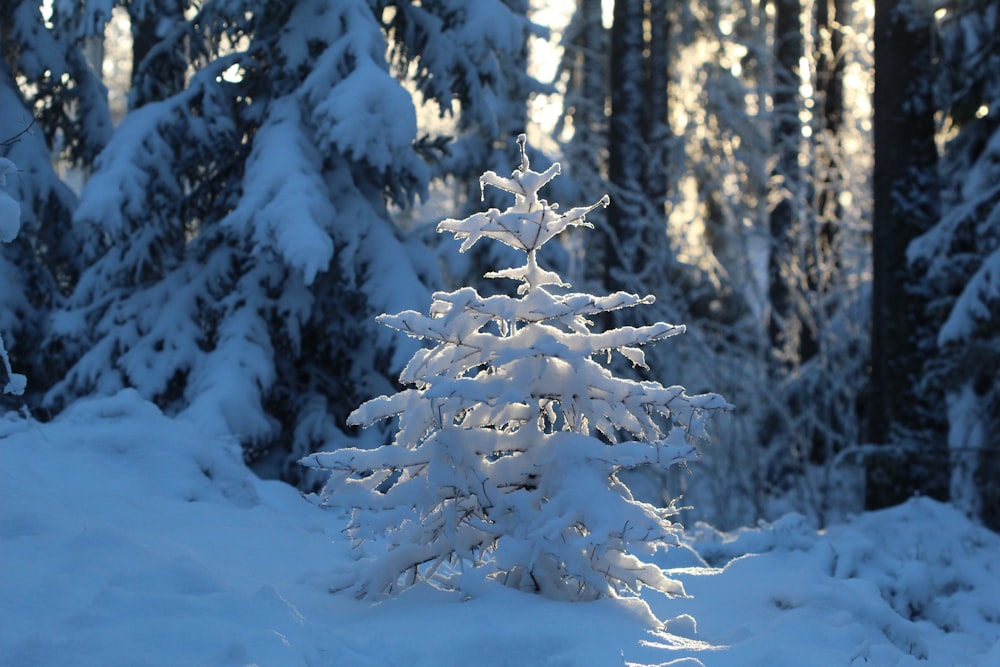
960	259
10	225
512	433
237	227
49	102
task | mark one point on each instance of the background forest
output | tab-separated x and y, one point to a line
217	198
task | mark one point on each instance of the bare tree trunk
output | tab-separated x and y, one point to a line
906	204
656	124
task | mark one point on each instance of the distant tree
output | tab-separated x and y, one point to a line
901	414
585	70
818	262
719	163
512	435
786	223
828	178
783	303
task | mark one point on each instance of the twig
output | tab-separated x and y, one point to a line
6	143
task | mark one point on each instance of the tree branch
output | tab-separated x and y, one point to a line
6	143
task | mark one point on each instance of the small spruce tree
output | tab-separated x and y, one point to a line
511	433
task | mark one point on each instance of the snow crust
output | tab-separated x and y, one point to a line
130	538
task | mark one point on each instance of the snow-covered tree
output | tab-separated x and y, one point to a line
237	226
10	225
512	433
960	257
484	46
54	106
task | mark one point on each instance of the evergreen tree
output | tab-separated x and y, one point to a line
512	435
10	225
960	257
484	47
818	261
60	105
237	226
585	69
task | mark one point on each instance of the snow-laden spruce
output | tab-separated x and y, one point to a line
512	433
10	225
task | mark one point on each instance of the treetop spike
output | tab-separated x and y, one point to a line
525	164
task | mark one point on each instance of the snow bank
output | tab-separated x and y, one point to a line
128	538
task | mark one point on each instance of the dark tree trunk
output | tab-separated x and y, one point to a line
656	125
589	120
830	17
906	204
627	254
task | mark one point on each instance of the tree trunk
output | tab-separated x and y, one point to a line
656	127
830	16
627	253
591	86
906	204
784	326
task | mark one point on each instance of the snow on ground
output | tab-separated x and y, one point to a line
127	538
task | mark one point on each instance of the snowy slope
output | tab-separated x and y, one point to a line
127	538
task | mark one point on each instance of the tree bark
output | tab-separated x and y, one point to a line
656	127
627	253
906	204
830	16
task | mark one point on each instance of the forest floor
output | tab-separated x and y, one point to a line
127	538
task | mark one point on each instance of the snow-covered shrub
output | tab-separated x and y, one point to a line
512	434
10	225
